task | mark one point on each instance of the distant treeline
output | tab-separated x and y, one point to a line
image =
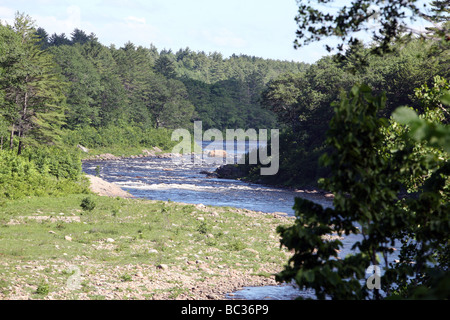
155	88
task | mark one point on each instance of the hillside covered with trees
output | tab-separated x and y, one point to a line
103	87
370	124
57	92
302	101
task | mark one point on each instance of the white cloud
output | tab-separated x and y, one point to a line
66	24
7	15
135	20
224	38
74	17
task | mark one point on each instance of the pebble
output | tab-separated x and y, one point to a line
68	238
163	266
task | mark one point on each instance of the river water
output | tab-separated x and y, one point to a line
185	181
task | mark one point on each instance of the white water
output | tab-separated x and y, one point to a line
161	179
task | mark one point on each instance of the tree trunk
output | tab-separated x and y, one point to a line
19	150
11	140
21	127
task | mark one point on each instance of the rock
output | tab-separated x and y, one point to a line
328	237
148	153
217	153
230	171
110	240
52	232
209	174
84	149
104	188
152	251
68	238
163	266
106	156
280	213
157	149
165	155
251	250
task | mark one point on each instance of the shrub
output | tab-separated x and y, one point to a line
87	204
40	172
119	136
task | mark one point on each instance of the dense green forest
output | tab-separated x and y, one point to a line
152	88
302	101
57	92
385	149
369	124
101	86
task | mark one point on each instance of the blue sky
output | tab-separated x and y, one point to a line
262	28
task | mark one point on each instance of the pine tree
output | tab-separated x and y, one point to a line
33	91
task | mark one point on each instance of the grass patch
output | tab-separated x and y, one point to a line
40	237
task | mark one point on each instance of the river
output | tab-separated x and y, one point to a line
162	179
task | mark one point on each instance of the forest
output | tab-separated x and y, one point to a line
57	92
302	101
369	124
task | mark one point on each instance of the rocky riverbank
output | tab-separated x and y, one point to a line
217	281
134	248
104	188
156	152
234	171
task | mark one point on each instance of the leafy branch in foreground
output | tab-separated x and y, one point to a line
367	178
386	21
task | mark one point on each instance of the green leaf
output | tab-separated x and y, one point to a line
445	99
404	115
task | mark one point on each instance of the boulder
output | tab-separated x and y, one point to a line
148	153
230	171
209	174
217	153
84	149
108	156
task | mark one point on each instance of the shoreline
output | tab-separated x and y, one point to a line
213	288
200	271
310	191
196	275
212	271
